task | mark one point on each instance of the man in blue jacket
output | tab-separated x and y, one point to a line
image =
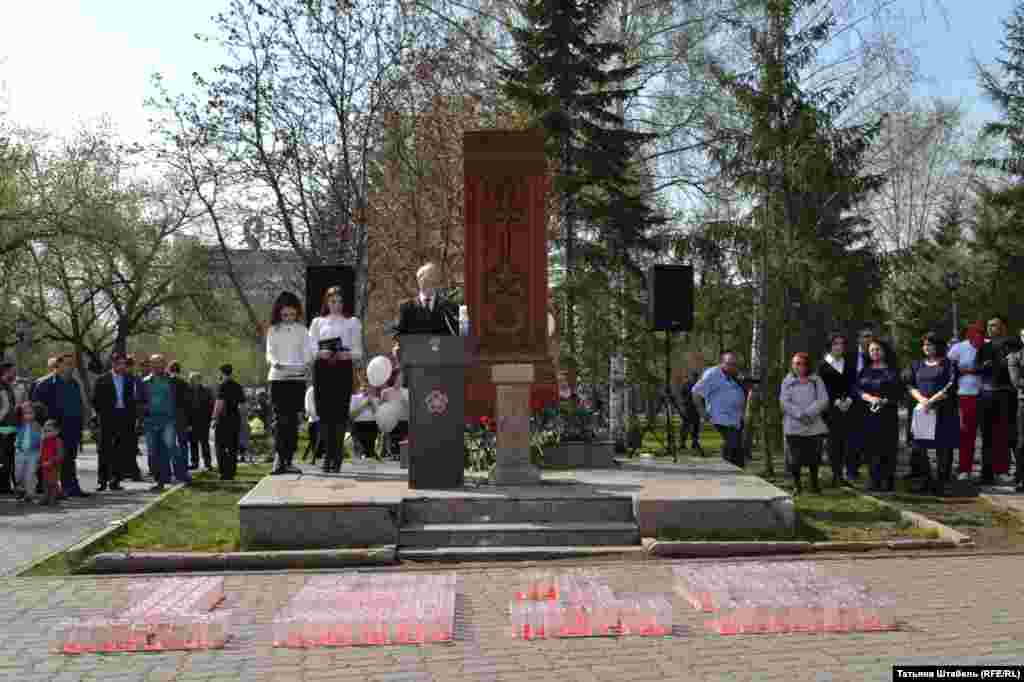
62	396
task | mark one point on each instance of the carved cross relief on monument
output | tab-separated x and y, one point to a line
505	287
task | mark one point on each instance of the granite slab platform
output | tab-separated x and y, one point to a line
368	504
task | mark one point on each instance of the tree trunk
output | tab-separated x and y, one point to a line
759	356
618	398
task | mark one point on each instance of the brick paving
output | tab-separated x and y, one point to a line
956	609
30	532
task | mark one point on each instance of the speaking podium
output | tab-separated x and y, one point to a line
435	368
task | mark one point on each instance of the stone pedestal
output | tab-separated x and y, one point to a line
512	455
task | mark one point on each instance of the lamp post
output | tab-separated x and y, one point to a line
952	280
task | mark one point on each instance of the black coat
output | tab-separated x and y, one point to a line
200	407
838	385
104	396
414	318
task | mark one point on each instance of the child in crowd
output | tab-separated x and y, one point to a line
26	449
51	457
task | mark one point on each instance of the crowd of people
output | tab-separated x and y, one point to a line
849	407
174	415
42	426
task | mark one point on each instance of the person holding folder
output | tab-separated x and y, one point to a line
336	339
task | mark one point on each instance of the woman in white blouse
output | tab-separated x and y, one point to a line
289	355
336	339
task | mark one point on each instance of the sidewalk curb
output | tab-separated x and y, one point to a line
946	533
697	549
163	562
76	551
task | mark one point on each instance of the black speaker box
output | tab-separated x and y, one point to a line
670	298
320	278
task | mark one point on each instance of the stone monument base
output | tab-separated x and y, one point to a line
372	504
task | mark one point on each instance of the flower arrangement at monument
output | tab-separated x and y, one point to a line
576	419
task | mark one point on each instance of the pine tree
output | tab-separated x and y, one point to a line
562	79
1007	93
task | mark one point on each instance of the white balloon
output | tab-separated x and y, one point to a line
388	415
378	371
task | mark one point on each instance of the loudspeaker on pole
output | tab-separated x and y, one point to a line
670	297
320	278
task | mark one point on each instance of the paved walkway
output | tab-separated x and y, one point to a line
30	532
957	610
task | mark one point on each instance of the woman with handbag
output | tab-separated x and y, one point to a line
336	339
804	399
935	422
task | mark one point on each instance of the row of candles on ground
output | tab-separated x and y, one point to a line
176	613
579	604
367	610
781	597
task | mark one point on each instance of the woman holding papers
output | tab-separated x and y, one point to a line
336	339
289	355
936	421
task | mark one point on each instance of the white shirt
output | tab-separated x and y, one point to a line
348	329
964	355
311	405
838	364
288	345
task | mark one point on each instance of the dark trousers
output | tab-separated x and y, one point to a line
314	443
883	442
226	435
7	462
198	438
919	465
994	419
117	446
71	434
732	446
690	428
365	433
332	390
805	451
332	434
1019	458
839	457
287	398
396	437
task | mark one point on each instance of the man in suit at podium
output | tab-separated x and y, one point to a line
427	313
430	315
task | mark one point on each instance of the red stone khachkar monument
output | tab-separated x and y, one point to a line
506	257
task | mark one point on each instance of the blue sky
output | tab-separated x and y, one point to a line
67	60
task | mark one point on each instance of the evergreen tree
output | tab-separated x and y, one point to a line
561	77
1007	93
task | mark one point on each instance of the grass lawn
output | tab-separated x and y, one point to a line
989	526
196	519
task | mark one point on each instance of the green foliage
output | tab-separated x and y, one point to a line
1006	91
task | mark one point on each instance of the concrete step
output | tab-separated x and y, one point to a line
430	535
516	553
518	510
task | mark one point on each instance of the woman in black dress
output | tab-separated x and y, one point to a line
932	384
879	385
336	340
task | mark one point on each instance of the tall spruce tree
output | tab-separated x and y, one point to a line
562	78
805	172
998	243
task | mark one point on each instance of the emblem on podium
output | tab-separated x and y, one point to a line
437	402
